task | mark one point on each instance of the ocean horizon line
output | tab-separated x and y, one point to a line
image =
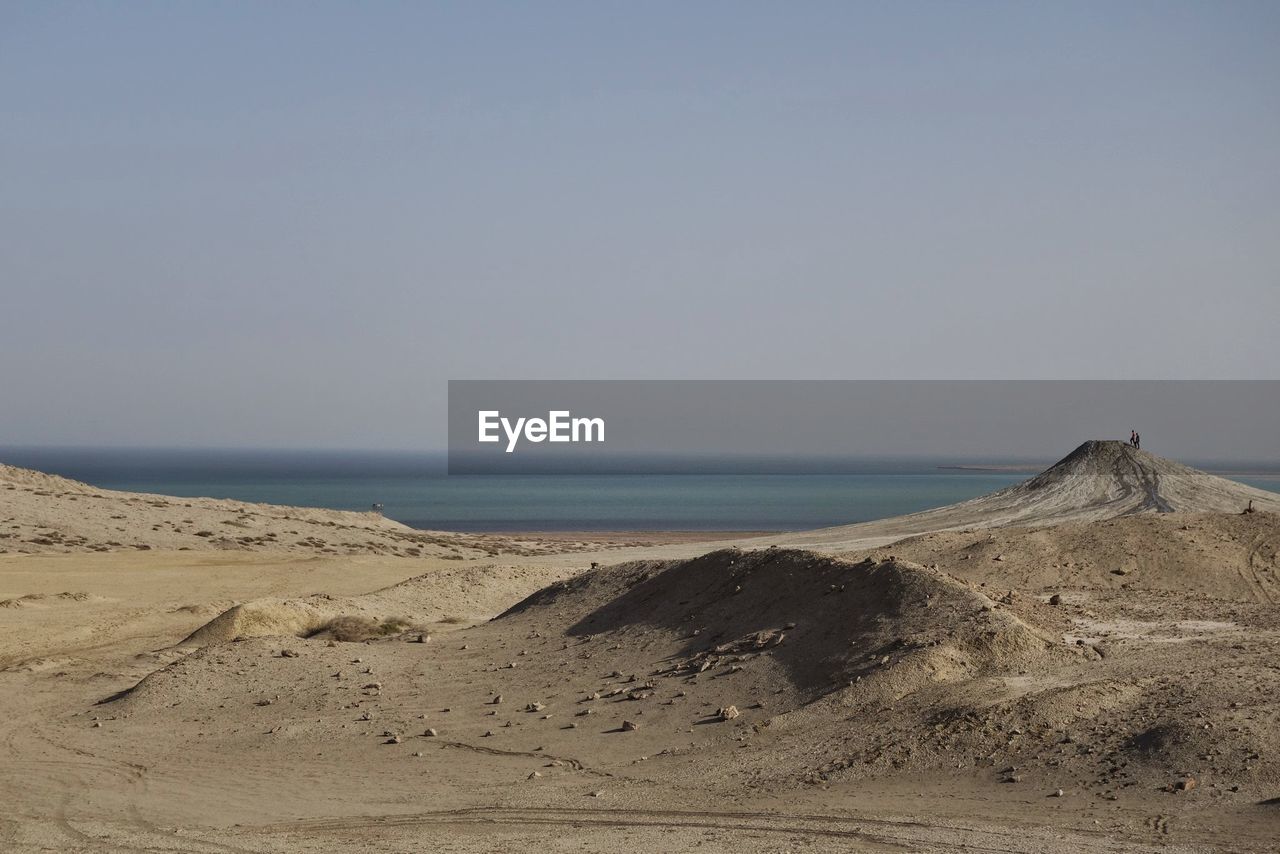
434	462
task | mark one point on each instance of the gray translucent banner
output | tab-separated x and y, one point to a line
786	427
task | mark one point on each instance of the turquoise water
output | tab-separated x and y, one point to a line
415	490
671	502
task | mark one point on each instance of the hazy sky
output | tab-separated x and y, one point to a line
271	224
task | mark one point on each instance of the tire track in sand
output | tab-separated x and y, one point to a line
873	836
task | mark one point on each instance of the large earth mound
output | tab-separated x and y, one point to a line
824	623
1101	479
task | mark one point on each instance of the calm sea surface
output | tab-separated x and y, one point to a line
414	489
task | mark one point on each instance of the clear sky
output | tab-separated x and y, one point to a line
288	224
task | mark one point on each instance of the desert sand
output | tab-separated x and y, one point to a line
1082	662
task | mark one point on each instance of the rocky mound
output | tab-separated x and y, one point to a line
825	623
1116	479
1098	480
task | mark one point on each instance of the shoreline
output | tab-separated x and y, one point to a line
630	538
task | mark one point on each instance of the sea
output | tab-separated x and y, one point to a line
415	489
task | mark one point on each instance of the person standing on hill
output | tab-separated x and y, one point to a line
1133	438
1137	441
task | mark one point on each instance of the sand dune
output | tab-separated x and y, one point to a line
449	596
42	513
1083	662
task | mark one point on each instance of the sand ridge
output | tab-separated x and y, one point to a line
42	513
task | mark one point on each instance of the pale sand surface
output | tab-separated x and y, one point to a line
923	697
